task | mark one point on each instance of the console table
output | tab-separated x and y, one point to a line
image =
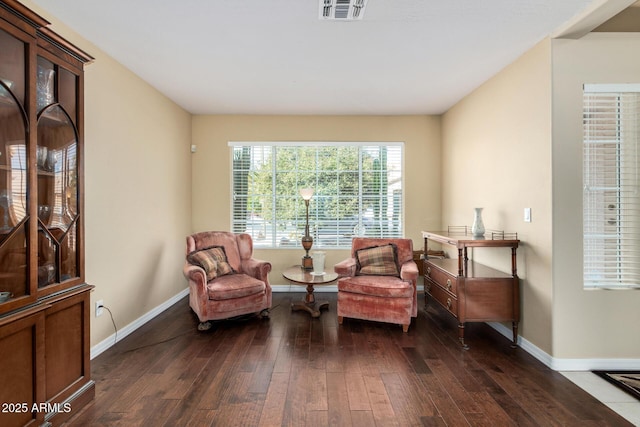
468	290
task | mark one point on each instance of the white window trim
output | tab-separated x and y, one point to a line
232	144
612	89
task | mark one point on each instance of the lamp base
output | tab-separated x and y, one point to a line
307	262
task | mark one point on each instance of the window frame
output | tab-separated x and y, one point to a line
611	258
343	241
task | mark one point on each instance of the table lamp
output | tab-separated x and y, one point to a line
307	240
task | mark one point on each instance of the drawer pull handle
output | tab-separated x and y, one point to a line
448	284
428	271
449	303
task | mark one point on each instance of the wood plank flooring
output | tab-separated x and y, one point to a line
293	370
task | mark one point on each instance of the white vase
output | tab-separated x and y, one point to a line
477	229
318	262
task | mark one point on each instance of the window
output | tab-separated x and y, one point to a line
611	200
357	192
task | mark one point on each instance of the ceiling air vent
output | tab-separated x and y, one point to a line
342	10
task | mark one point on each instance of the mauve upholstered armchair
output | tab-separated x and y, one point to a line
224	279
371	288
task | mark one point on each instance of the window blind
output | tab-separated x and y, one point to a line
358	191
611	201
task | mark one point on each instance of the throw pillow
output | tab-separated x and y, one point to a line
213	260
377	261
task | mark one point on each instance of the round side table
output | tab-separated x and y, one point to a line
298	276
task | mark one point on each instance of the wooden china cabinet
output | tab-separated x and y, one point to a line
44	304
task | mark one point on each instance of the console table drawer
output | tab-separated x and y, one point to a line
442	278
446	299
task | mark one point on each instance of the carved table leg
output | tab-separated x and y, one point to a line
310	298
310	304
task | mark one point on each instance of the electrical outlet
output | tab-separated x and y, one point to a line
99	308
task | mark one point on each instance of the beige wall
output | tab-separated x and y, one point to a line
212	161
587	324
138	190
496	155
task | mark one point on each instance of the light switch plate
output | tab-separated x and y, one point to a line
527	214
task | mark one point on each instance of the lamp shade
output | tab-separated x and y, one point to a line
306	193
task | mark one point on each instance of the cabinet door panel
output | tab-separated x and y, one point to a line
64	345
489	299
21	355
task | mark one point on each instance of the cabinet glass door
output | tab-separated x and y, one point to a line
56	161
13	171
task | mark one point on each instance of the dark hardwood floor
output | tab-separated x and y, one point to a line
294	370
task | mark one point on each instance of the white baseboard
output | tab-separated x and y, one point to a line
123	332
558	364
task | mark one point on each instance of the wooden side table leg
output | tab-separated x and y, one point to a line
313	309
515	335
461	336
310	298
310	305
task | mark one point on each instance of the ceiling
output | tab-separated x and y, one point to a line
278	57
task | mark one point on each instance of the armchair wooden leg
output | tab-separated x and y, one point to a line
340	319
405	328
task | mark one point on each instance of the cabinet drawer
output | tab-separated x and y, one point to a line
447	300
442	278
